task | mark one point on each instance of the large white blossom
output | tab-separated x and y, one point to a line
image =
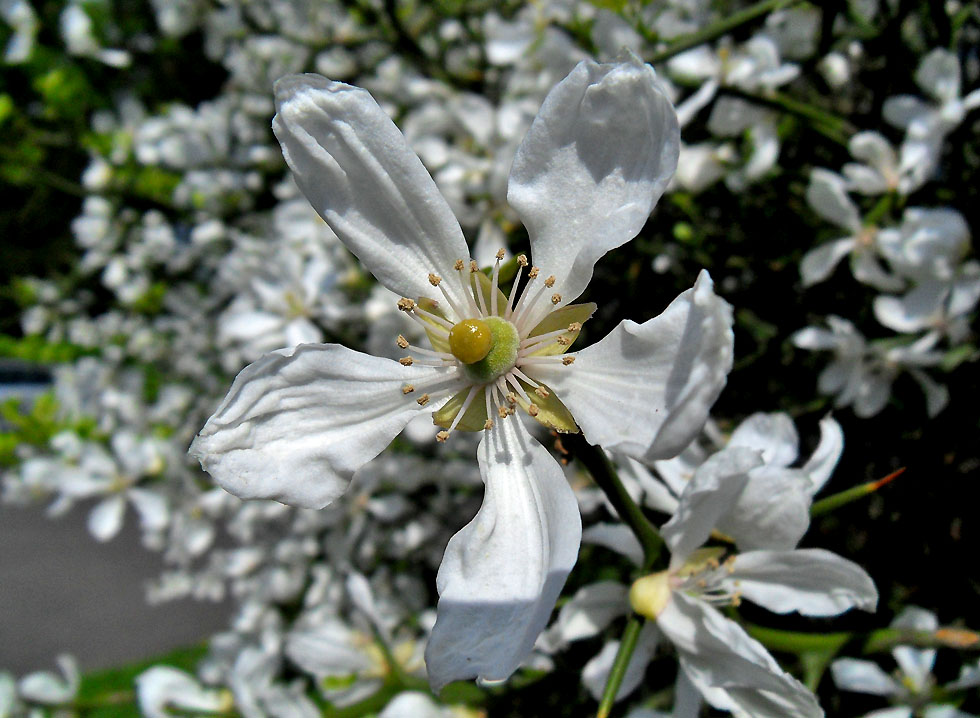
297	424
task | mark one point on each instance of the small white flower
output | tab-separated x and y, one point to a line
297	424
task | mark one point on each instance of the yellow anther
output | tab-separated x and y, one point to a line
501	253
459	265
575	327
434	279
405	304
488	424
532	410
423	400
564	341
533	274
511	398
408	389
522	260
550	281
567	360
555	298
470	340
503	411
474	267
402	342
442	436
542	392
406	361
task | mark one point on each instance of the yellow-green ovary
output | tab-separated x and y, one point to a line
500	354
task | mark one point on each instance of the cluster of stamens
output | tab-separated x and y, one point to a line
490	347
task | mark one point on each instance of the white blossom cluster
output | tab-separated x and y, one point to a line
391	200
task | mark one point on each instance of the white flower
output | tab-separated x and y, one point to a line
911	688
732	670
297	424
162	688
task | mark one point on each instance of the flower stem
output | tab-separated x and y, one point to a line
627	645
719	28
607	479
825	506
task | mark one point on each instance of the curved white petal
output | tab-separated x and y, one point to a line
820	262
106	518
299	422
645	389
503	571
813	582
771	512
773	435
713	490
939	75
916	663
615	537
591	609
824	458
717	653
591	168
412	704
364	180
161	688
852	674
827	196
596	671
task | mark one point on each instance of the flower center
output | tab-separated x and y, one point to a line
501	341
470	340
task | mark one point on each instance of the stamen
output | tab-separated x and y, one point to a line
423	400
429	352
406	304
406	361
434	279
489	422
525	305
464	284
512	380
542	392
426	325
408	389
555	298
462	410
566	360
402	342
437	385
493	283
543	338
521	263
550	281
477	291
501	254
434	317
442	436
532	409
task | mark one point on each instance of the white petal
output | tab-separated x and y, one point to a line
820	262
894	712
645	389
596	671
412	704
812	582
773	435
715	487
827	195
152	507
937	395
161	688
591	609
916	663
864	179
904	110
717	653
331	648
615	537
299	422
361	176
867	269
874	149
939	75
106	518
49	688
772	511
502	572
823	461
851	674
591	168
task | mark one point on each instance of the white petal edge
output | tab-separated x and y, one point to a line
822	462
852	674
593	164
812	582
774	435
359	173
298	423
502	572
645	389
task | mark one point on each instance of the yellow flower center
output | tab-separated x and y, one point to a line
470	340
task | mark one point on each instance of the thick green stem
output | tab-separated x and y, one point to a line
878	641
627	645
607	479
721	27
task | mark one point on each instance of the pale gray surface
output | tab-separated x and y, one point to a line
61	591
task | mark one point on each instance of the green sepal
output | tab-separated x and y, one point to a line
474	419
552	413
558	319
437	335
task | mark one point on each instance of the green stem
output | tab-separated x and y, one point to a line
721	27
627	645
607	479
835	501
877	641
